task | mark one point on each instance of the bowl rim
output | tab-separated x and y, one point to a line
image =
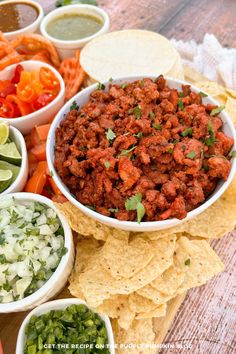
68	9
133	225
68	243
58	304
38	19
45	108
24	160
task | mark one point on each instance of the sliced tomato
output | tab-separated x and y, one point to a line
39	151
49	79
16	78
42	100
7	109
26	93
7	88
24	107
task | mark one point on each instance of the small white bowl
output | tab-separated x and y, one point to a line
59	278
33	27
43	115
59	305
68	48
19	183
81	98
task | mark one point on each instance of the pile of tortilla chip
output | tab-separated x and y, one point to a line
135	277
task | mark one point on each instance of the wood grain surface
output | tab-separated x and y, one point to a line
206	320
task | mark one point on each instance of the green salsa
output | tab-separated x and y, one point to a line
74	26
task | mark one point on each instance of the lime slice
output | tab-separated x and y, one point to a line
4	133
8	166
9	153
5	179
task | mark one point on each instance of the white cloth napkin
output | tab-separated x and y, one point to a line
209	58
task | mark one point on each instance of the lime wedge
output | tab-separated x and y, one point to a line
9	153
8	166
4	133
5	179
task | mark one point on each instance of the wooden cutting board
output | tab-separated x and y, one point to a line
10	323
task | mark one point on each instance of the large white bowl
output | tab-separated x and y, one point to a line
59	278
81	98
43	115
33	27
19	183
68	48
59	305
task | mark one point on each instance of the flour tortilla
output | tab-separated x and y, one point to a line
129	53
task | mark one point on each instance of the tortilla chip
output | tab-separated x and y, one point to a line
153	294
140	333
159	311
122	258
191	75
97	284
118	307
231	92
198	260
230	108
83	224
139	303
210	87
168	282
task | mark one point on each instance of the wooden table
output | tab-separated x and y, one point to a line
207	318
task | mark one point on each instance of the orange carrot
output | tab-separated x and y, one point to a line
39	151
42	131
36	183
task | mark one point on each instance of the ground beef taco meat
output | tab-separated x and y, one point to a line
143	151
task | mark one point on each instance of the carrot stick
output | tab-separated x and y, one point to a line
42	131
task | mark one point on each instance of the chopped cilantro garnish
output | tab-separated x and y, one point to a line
74	106
170	150
135	203
101	86
157	126
187	131
233	153
123	86
187	262
107	164
110	135
142	83
126	152
211	139
181	94
138	135
152	115
191	155
206	168
203	94
137	112
51	173
181	105
113	210
216	111
111	79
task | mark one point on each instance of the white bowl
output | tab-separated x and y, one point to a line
59	305
81	98
33	27
59	278
68	48
43	115
20	181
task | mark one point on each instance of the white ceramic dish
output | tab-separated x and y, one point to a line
43	115
58	305
33	27
59	278
81	98
68	48
19	183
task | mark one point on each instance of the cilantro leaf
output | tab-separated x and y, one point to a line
211	140
170	150
135	203
74	106
142	83
110	135
101	86
107	164
123	86
187	262
157	126
217	110
181	105
187	131
181	94
203	94
126	152
191	155
138	135
152	115
137	112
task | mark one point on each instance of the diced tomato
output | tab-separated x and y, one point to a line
42	100
39	151
33	163
48	79
16	78
7	109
